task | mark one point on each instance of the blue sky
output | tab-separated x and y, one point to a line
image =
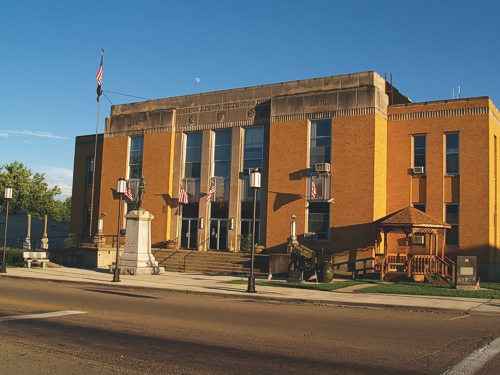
50	53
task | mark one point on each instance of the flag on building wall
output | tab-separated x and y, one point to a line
313	190
98	76
211	192
183	197
128	192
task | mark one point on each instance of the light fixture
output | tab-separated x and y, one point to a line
7	195
121	185
255	185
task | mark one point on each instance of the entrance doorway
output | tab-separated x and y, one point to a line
189	233
218	234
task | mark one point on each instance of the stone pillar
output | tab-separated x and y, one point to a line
45	239
27	240
137	258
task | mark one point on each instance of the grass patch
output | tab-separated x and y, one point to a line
312	286
405	288
307	285
425	289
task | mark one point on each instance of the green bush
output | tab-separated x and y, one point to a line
13	257
245	243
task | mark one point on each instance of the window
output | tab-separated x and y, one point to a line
419	206
247	220
252	158
318	213
452	218
419	148
320	142
192	165
254	145
86	219
452	153
319	220
90	170
135	159
222	153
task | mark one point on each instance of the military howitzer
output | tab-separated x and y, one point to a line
307	260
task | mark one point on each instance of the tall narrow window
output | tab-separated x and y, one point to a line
222	153
135	159
320	142
452	218
90	170
252	158
318	224
318	213
192	165
254	145
419	150
452	153
86	219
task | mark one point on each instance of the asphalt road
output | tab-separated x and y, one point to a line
114	330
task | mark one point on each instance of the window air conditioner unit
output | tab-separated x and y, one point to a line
322	167
418	239
418	170
310	236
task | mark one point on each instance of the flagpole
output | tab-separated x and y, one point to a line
99	91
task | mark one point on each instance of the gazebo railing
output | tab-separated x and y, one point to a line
423	264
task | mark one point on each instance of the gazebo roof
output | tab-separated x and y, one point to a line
410	218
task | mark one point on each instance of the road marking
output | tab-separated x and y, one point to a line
40	316
476	360
460	317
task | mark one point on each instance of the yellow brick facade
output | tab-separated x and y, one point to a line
371	163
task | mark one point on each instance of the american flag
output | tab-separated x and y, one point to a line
183	197
98	76
313	190
270	276
211	192
128	193
313	277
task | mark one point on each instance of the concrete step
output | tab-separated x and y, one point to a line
212	262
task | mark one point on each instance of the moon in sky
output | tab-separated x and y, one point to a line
197	79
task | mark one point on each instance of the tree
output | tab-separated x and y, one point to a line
62	210
31	194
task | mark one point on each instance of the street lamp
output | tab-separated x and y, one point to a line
121	185
7	196
255	185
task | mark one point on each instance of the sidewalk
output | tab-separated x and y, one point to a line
210	284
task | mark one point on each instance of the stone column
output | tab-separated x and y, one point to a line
27	240
45	239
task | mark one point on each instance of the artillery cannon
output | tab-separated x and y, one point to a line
308	261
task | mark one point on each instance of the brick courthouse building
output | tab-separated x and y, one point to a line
353	137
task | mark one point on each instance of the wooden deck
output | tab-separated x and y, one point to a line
416	267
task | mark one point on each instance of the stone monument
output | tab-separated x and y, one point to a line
137	258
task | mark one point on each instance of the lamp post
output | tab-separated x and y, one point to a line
7	196
255	185
121	185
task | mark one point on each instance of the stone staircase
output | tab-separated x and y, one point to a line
211	262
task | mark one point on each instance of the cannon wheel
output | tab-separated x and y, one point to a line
327	272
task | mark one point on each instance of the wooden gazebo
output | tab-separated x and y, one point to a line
417	255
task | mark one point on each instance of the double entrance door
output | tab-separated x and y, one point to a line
218	234
189	233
